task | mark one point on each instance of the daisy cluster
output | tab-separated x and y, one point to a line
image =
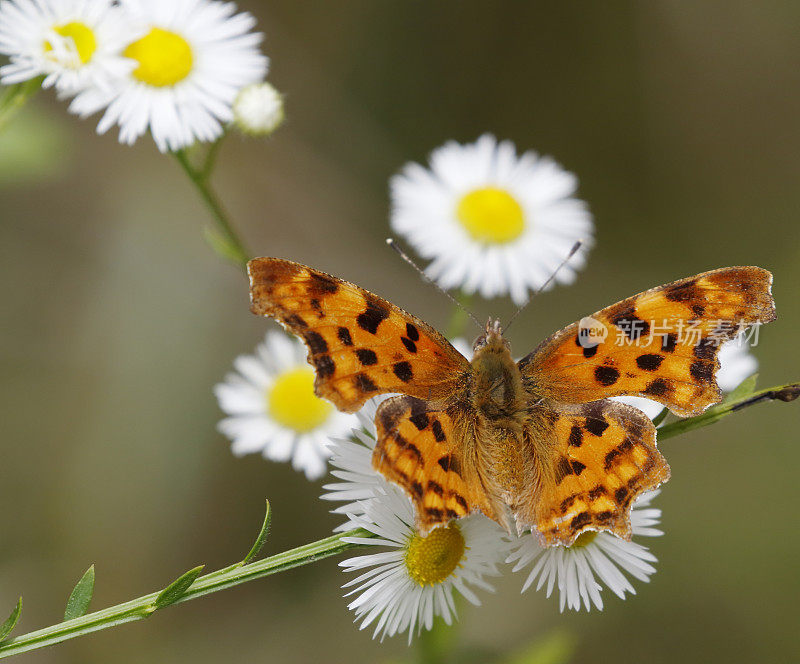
175	69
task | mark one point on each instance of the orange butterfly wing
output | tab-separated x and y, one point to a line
360	344
600	457
661	344
419	449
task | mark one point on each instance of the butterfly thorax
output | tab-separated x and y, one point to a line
498	393
500	401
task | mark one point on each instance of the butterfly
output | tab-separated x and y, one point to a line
535	443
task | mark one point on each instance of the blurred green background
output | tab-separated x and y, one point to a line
680	119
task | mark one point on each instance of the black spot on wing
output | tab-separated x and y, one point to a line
293	320
581	520
566	467
375	313
364	383
449	462
649	361
322	284
658	388
683	292
344	336
325	366
598	491
317	307
590	352
669	342
438	432
411	347
366	356
435	487
611	458
575	436
596	425
435	513
403	371
420	420
316	342
412	332
606	375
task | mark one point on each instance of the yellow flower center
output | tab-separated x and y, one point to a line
584	539
491	215
82	37
292	402
430	560
164	58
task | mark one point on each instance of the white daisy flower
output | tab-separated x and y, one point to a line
735	364
272	407
258	109
192	60
594	560
74	44
411	578
351	460
489	220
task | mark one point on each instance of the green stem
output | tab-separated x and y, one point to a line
211	158
224	239
16	96
142	607
788	392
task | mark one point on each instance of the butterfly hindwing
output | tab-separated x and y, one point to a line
417	449
661	344
603	455
360	344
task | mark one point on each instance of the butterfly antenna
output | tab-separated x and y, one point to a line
571	253
425	277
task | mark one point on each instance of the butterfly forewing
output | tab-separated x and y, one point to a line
359	344
661	344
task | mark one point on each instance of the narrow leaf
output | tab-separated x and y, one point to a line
262	536
658	419
746	387
177	589
81	595
786	393
11	622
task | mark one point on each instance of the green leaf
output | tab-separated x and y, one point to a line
658	419
555	648
177	589
222	245
262	537
11	622
81	595
745	388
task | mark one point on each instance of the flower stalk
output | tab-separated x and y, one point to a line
142	607
14	97
223	238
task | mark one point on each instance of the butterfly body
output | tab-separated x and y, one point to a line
536	442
